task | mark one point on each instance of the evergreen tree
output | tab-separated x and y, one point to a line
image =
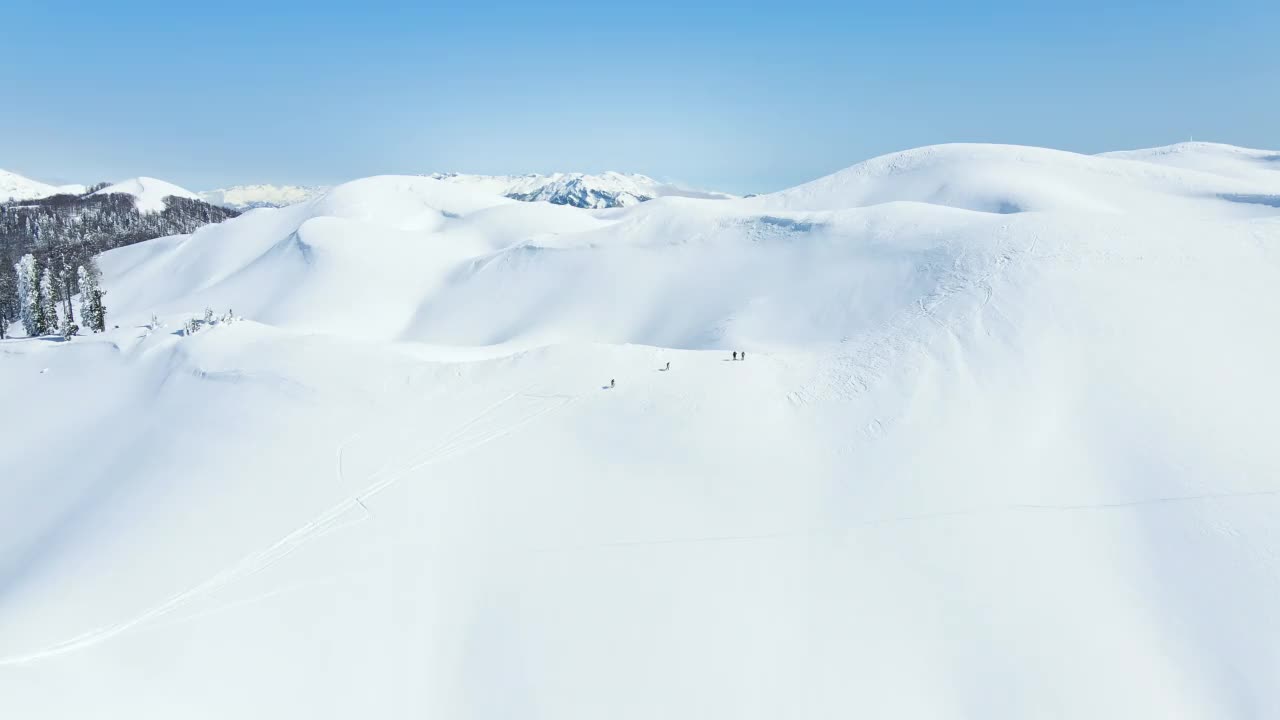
82	279
28	295
67	282
92	313
8	295
69	328
48	303
99	311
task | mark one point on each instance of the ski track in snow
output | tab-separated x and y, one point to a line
463	439
943	514
1025	348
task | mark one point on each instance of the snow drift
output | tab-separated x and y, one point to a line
999	448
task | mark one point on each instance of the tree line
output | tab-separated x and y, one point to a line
48	246
42	298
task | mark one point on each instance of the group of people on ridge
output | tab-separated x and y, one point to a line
737	355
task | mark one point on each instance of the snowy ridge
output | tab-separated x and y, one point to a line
607	190
16	187
148	193
1261	167
473	261
247	197
1002	415
1010	179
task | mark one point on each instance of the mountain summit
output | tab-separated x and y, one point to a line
148	193
16	187
606	190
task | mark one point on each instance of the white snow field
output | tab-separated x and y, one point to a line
1003	446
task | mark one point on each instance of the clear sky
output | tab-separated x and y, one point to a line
719	95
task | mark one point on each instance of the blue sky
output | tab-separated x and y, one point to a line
720	96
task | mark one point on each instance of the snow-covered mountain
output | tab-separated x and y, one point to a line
607	190
148	193
1257	166
247	197
610	189
16	187
1000	448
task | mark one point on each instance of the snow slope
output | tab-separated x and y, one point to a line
16	187
148	193
248	197
610	189
1013	179
1259	167
999	449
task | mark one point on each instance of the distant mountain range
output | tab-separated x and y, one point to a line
248	197
79	220
606	190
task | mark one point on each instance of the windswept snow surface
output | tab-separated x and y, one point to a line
248	197
16	187
1002	447
148	193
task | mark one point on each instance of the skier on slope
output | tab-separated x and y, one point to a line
735	354
668	364
612	382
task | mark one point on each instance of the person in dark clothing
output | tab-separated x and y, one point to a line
742	355
668	364
612	382
735	354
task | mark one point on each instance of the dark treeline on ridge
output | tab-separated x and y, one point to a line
65	232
